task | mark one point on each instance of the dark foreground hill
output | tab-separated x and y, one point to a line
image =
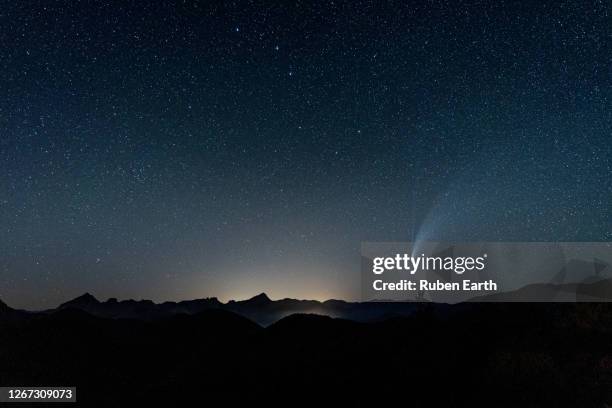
501	355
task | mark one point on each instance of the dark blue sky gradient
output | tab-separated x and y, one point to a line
177	150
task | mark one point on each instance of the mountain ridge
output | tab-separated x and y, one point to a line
265	311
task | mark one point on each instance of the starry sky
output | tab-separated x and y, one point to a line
175	150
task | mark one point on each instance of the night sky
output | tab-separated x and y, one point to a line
183	150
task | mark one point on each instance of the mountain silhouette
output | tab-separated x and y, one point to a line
4	307
86	300
203	352
265	311
259	300
8	314
591	290
260	308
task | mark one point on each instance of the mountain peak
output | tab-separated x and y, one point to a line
262	298
83	300
87	297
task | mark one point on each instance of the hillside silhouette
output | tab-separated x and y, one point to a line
474	354
260	308
590	290
265	311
